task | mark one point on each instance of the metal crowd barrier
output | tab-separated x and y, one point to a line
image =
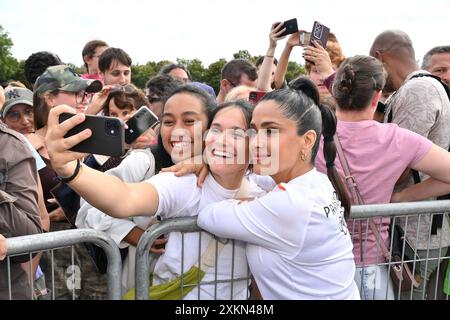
59	239
145	261
399	209
415	217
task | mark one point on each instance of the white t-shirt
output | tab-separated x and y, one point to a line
180	197
266	183
138	166
298	243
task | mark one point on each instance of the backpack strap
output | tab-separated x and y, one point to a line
420	75
446	87
437	220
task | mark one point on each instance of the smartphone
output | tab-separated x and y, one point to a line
381	107
319	33
107	135
140	122
291	27
305	38
255	96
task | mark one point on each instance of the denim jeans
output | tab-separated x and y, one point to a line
374	283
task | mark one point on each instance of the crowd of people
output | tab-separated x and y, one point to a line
268	178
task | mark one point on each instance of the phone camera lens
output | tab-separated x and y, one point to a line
111	128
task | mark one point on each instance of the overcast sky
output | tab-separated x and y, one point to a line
213	29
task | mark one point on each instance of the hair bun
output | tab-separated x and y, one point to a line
346	84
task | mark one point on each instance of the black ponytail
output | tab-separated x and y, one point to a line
309	114
329	123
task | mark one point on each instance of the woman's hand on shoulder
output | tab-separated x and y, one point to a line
192	165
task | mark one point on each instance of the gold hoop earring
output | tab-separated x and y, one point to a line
302	156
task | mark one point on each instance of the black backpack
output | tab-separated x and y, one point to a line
437	220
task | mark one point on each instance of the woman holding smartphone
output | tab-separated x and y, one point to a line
298	245
168	196
297	257
378	154
140	165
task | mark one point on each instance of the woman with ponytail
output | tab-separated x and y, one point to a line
298	245
377	155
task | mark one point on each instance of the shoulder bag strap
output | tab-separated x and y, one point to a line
351	183
349	179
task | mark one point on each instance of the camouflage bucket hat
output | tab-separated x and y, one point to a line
63	78
16	96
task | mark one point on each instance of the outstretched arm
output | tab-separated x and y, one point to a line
436	164
280	73
267	221
421	191
265	72
105	192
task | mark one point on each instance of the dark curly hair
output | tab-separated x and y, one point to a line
126	97
37	63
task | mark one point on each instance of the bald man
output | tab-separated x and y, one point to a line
421	105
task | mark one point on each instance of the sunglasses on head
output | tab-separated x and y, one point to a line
128	88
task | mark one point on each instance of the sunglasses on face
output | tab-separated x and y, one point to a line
15	116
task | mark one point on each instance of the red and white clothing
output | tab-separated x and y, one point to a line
298	245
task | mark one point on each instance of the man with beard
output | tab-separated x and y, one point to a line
420	104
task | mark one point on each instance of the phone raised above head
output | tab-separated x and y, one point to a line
291	27
107	135
305	38
319	33
140	122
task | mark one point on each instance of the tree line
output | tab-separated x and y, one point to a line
12	69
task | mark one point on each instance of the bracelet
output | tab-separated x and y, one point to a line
74	175
270	56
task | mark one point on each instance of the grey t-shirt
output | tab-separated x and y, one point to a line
422	106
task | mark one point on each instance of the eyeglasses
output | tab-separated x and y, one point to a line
15	116
83	97
154	99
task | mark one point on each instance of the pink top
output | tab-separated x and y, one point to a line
92	77
377	155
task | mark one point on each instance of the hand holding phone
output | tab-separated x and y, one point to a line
140	122
319	33
107	135
291	27
305	38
